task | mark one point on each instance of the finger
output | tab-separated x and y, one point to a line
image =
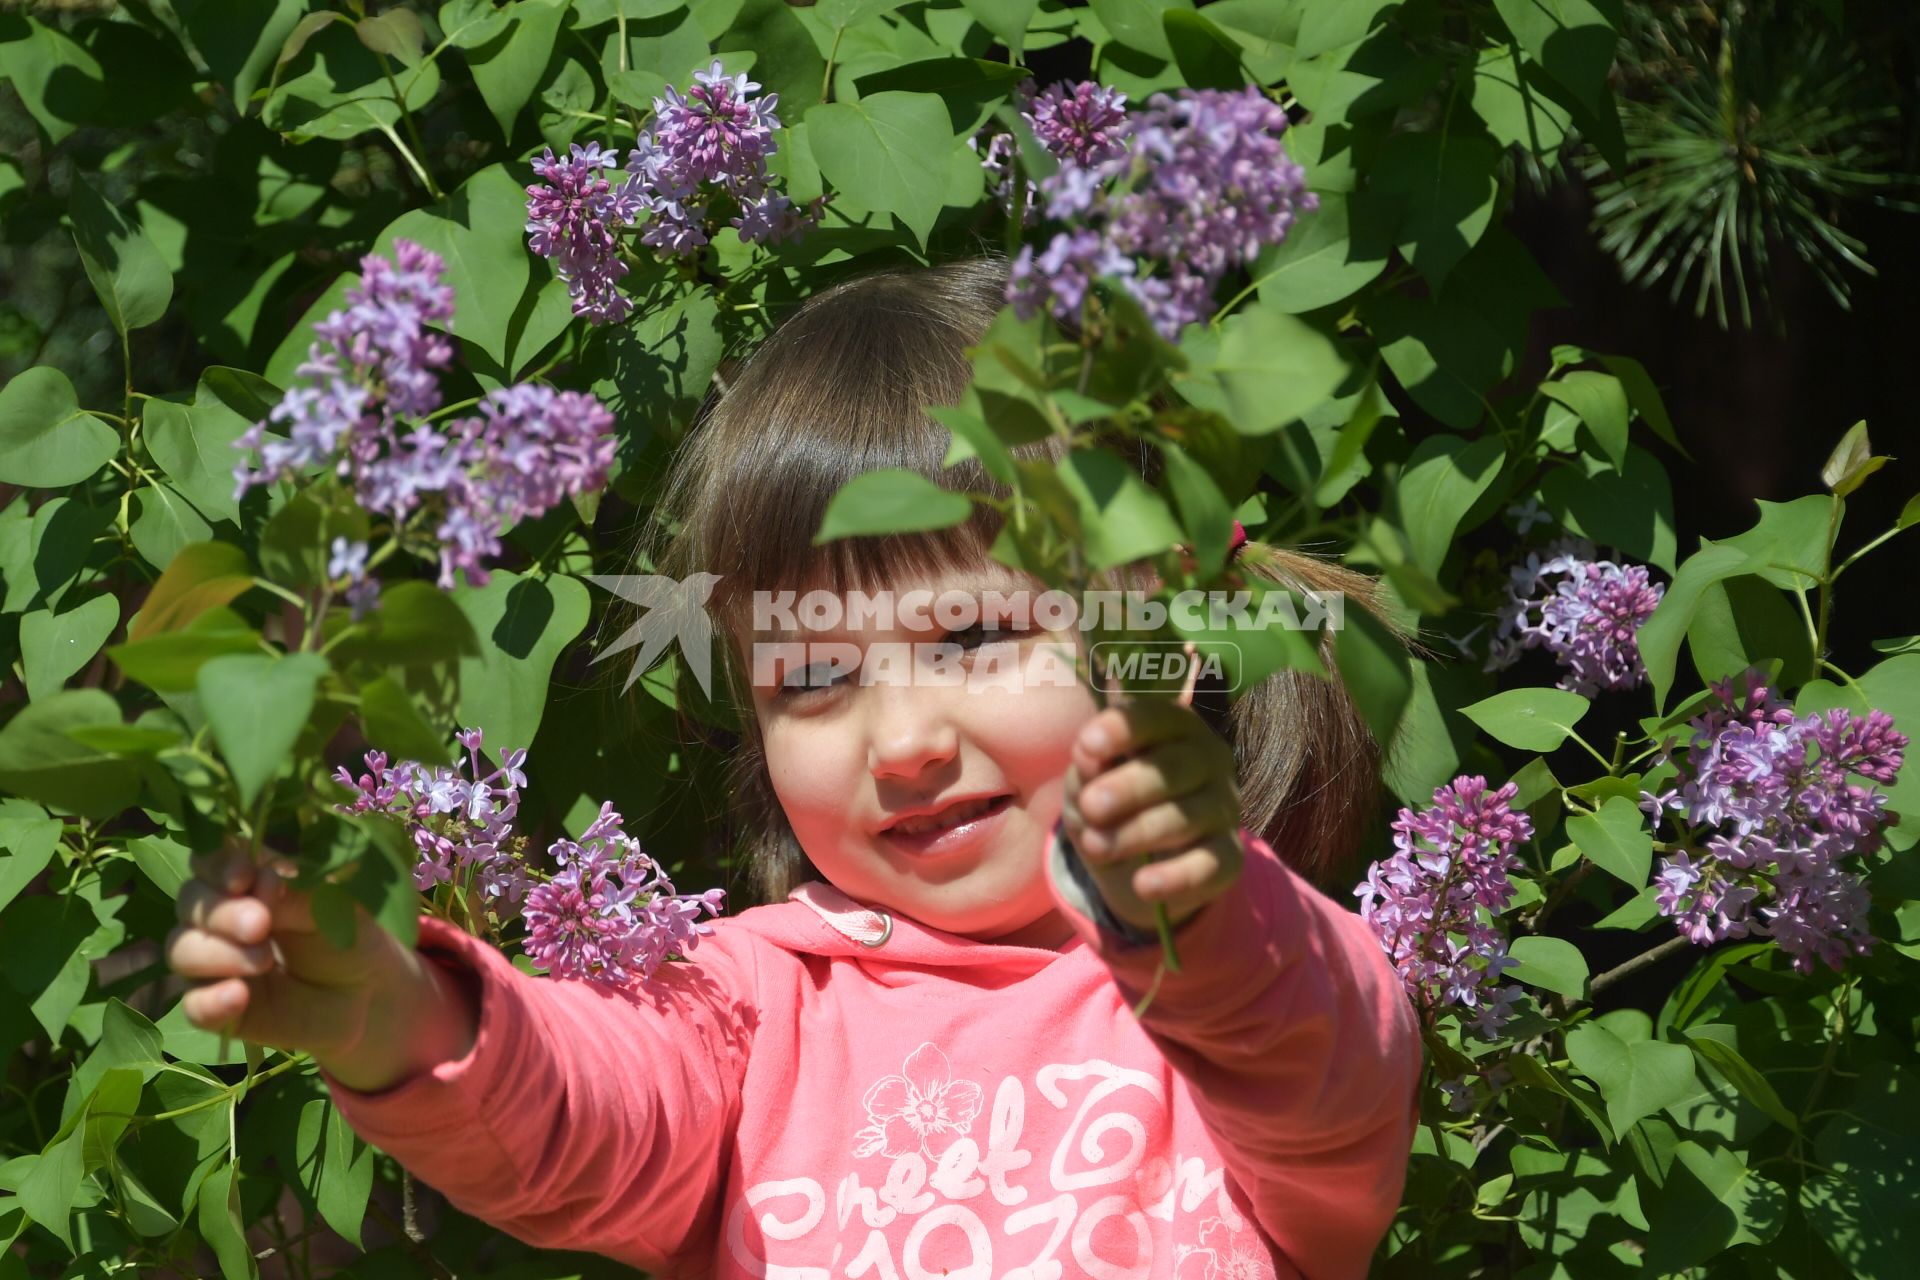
228	868
1188	881
1163	828
1129	729
292	907
218	1006
1128	787
281	1010
243	919
196	953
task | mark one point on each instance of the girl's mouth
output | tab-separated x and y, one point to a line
957	826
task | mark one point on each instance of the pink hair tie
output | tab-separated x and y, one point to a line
1238	541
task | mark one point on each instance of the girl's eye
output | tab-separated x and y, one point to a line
980	633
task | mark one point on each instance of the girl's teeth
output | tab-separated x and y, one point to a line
951	817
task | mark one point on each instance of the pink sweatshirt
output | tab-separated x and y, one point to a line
814	1095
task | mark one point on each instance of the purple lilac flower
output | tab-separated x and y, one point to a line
1587	612
528	446
609	914
1770	811
1085	123
1201	188
713	140
348	561
573	218
1433	903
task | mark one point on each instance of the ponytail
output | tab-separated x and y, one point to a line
1309	766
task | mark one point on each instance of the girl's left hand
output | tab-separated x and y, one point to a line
1150	778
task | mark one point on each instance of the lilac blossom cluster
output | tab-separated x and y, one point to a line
1432	904
1586	611
1166	204
1771	812
609	914
1084	123
711	142
374	366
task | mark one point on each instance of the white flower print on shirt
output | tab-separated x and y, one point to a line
1219	1257
922	1109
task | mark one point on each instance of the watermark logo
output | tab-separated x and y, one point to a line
676	610
1164	665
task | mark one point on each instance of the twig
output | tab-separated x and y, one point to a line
1627	968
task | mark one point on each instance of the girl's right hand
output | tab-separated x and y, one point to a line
371	1013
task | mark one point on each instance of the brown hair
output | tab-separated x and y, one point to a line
841	388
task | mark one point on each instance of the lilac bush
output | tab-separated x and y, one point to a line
455	486
711	143
1433	904
1193	187
1585	611
1774	828
609	913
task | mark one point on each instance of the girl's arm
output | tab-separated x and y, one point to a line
1299	1043
581	1117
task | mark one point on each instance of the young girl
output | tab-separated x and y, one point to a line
919	1059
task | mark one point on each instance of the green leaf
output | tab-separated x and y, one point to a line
1204	510
1444	188
1531	719
345	91
256	707
164	861
170	662
1601	402
1789	543
54	646
1443	478
202	576
1274	367
973	438
395	724
59	82
128	1039
194	444
415	622
523	625
242	39
296	544
1552	964
892	500
1375	669
46	440
1507	97
1660	635
479	232
127	272
1711	1201
218	1219
1207	58
1863	1199
887	152
838	15
1329	254
1744	622
1851	462
1616	840
1742	1075
53	1183
1121	518
38	760
395	32
28	838
1136	23
788	62
508	63
468	24
336	1167
1631	509
1005	20
162	523
1325	27
1571	39
1637	1079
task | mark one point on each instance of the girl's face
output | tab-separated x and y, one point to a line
930	790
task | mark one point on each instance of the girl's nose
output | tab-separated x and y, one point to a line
909	736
